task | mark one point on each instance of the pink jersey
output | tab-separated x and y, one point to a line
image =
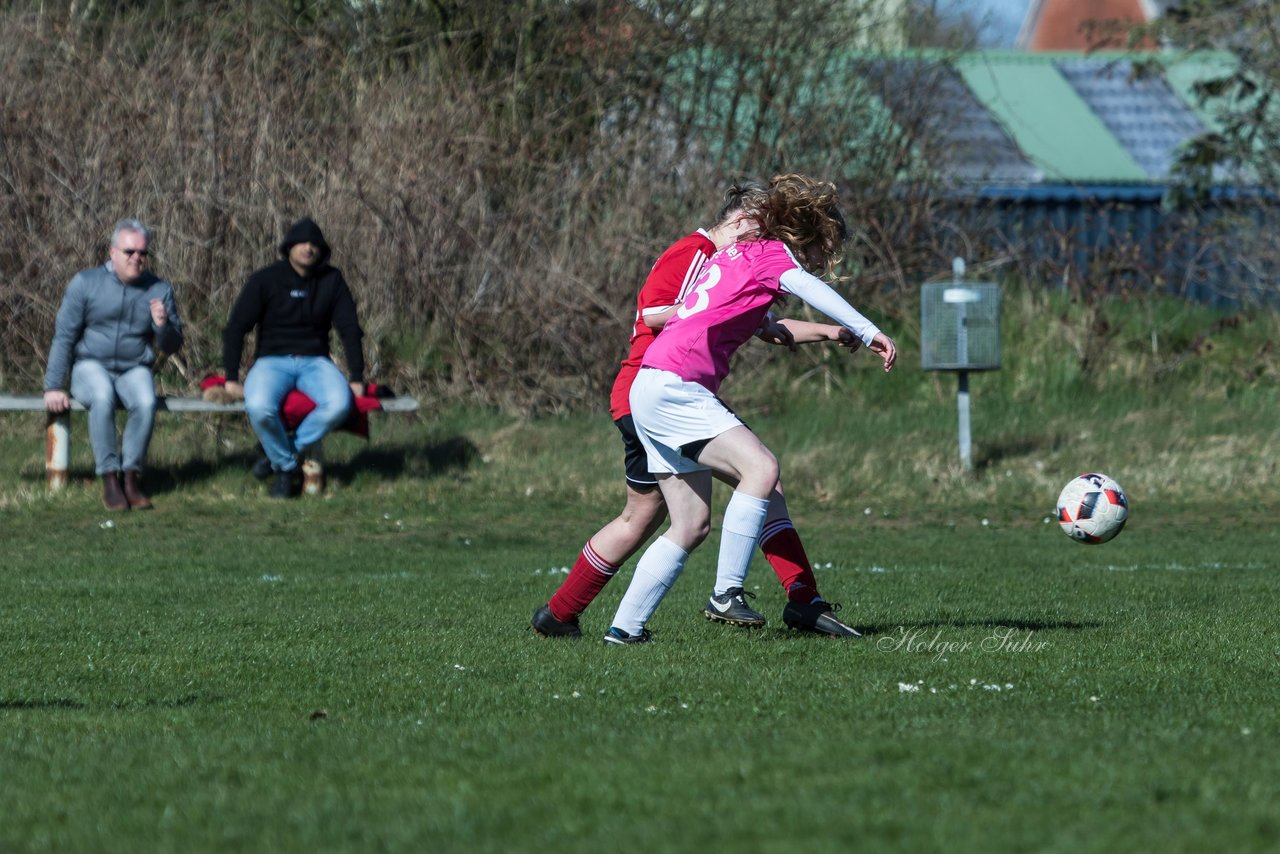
669	280
726	306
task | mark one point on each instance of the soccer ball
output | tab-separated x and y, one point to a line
1092	509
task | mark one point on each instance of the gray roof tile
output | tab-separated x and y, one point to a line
1144	115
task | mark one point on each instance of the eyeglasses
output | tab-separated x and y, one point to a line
131	252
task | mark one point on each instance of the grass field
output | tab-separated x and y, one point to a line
356	672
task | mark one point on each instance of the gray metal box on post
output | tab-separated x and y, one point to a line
960	331
960	326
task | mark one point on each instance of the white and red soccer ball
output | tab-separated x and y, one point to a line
1092	508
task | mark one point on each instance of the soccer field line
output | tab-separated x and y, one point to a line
1212	566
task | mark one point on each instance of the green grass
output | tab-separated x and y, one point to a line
320	677
356	672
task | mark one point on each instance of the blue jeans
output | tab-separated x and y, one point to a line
272	378
101	391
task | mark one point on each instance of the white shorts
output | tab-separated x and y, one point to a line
670	414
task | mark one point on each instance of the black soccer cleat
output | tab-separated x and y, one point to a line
818	617
545	623
617	636
731	607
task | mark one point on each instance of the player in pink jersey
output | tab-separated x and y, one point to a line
670	279
689	434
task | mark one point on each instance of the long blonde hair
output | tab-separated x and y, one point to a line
803	213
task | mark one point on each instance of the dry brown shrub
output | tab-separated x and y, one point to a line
494	244
495	178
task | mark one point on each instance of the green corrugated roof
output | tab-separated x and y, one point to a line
1050	123
1066	118
1184	74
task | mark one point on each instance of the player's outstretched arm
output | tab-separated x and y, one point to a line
807	332
774	331
818	295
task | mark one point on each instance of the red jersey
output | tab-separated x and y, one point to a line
670	279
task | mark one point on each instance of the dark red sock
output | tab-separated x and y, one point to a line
782	548
588	577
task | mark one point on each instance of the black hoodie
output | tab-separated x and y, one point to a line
295	314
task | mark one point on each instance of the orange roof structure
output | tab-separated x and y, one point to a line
1060	24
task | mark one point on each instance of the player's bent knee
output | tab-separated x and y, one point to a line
641	520
690	533
761	476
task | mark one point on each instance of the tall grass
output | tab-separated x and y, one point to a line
1177	402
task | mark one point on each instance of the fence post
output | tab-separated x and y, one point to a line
57	450
313	470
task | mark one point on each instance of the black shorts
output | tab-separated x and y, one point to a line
639	477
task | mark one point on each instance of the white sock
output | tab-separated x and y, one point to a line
743	519
658	569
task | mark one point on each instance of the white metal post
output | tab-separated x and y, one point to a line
313	470
57	450
962	376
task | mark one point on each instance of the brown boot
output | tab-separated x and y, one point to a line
133	493
112	496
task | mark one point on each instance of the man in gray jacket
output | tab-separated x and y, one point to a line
113	322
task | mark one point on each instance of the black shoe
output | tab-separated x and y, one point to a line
133	493
819	617
546	624
288	484
621	638
732	608
261	468
113	497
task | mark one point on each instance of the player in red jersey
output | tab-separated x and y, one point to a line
668	282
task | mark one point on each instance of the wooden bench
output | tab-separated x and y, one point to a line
57	445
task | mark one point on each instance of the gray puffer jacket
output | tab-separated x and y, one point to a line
103	319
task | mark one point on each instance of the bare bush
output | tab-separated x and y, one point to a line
495	178
487	230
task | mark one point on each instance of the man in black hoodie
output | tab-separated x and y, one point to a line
294	303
